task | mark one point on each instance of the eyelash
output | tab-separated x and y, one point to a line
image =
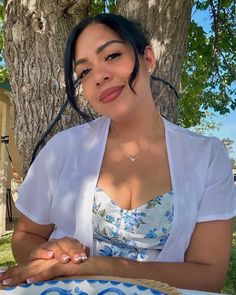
108	58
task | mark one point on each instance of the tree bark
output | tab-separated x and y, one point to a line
168	23
35	34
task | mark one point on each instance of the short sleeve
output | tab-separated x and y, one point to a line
35	193
218	201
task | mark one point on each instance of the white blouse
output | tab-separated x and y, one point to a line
59	187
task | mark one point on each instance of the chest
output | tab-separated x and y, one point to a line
131	184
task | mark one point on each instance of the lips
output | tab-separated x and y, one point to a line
110	94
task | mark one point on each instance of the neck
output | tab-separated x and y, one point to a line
144	126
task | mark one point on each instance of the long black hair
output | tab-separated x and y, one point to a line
129	31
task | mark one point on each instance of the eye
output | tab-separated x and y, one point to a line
112	56
83	73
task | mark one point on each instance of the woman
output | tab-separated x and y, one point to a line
148	198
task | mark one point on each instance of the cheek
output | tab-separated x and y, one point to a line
87	90
124	71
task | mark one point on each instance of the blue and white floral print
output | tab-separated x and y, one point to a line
138	234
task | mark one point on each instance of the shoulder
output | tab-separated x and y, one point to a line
73	141
89	129
196	150
79	135
188	137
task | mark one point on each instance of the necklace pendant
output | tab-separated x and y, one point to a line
132	158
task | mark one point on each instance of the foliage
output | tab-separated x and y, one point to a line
207	125
3	70
5	250
228	142
100	6
208	77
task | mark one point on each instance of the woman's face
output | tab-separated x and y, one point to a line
104	63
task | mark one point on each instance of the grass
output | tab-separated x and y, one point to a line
230	284
6	259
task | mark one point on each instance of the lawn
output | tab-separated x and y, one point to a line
6	259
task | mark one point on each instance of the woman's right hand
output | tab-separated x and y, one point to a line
64	250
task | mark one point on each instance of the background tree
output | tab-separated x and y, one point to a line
228	144
36	31
208	76
3	70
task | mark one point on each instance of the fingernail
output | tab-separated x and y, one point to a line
65	257
83	256
3	269
7	281
77	257
30	280
50	253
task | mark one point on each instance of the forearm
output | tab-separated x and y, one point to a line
181	275
23	243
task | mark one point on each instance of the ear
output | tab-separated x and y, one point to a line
150	59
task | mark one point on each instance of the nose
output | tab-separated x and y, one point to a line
101	75
98	83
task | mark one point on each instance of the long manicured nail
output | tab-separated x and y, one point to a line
83	256
77	257
30	280
7	281
50	253
65	257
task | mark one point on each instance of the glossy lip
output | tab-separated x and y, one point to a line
111	94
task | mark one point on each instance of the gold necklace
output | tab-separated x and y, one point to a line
130	156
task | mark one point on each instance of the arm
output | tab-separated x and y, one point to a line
205	266
27	236
30	241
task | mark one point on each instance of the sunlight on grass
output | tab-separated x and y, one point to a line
6	257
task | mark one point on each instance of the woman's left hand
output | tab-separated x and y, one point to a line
42	270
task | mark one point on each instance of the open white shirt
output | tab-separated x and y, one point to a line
60	184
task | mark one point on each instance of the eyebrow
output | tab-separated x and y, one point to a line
98	50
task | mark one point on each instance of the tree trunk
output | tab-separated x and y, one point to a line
35	34
168	23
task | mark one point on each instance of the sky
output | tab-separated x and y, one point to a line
228	122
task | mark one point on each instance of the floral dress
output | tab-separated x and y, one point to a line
138	234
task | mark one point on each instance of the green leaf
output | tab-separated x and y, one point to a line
226	3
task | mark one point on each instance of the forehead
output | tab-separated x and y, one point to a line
92	37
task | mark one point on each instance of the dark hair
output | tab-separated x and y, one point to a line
129	31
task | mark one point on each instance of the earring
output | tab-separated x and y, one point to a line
149	70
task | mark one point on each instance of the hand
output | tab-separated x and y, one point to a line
42	270
64	250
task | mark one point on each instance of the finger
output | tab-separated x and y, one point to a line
60	248
41	253
70	250
87	250
78	253
13	276
51	249
31	270
75	249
